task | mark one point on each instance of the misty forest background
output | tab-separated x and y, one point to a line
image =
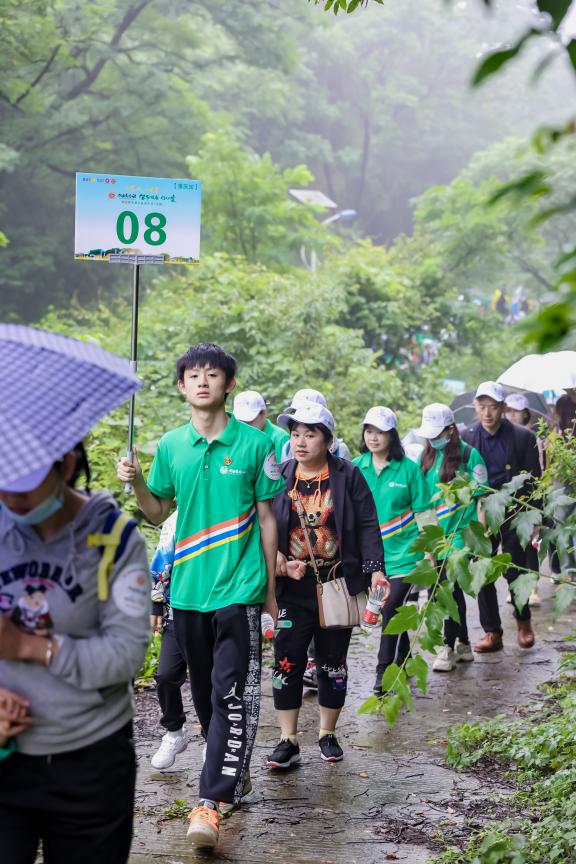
253	98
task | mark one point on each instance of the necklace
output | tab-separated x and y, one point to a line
312	517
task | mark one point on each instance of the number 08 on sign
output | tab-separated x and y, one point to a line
137	220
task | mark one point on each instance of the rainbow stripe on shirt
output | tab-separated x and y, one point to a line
445	510
388	529
214	536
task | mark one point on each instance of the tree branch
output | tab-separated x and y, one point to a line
529	268
132	13
45	69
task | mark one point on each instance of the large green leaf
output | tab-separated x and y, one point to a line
390	707
479	572
495	61
370	705
494	507
424	574
428	539
390	677
555	500
522	587
457	565
445	598
406	618
417	667
403	690
516	483
563	597
474	536
524	524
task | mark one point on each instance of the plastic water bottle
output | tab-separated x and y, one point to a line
375	602
267	625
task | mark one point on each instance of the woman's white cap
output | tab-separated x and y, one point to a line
435	418
303	397
309	413
517	401
380	417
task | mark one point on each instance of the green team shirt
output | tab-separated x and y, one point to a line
400	491
218	558
278	436
456	517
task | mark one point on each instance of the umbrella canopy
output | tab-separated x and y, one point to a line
53	390
463	406
539	372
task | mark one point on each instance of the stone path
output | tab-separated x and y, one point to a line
391	799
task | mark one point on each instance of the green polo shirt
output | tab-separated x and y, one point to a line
456	517
400	491
218	558
278	436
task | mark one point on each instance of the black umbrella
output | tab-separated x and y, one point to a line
463	406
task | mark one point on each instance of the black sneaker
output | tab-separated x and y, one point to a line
285	755
310	677
377	688
330	750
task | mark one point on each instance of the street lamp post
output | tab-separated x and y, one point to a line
315	196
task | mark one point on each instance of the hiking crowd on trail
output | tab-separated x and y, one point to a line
268	518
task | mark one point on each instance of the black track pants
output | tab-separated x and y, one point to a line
488	598
393	649
298	623
222	650
79	804
170	676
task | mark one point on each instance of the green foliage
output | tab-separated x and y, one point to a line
536	753
472	567
145	677
246	205
475	538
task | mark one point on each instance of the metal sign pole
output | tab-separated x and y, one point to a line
133	365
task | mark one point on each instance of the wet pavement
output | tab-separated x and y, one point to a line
390	799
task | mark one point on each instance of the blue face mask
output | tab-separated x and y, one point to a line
43	511
439	443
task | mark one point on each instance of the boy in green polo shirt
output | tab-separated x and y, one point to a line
223	474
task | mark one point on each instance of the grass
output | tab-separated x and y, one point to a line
536	755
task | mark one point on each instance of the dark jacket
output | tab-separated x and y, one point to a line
521	449
361	549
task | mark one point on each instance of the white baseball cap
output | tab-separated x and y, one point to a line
517	401
492	389
435	418
309	413
247	405
380	417
303	397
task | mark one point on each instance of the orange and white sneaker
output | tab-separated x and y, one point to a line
204	826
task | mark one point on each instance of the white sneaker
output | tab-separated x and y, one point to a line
463	652
534	599
445	660
172	743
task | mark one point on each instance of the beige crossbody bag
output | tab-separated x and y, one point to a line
337	608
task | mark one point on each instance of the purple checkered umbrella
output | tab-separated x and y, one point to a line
53	390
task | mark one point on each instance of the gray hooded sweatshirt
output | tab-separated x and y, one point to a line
50	589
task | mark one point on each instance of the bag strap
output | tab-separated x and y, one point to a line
112	542
466	453
302	517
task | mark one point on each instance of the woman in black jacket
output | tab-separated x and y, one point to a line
343	531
